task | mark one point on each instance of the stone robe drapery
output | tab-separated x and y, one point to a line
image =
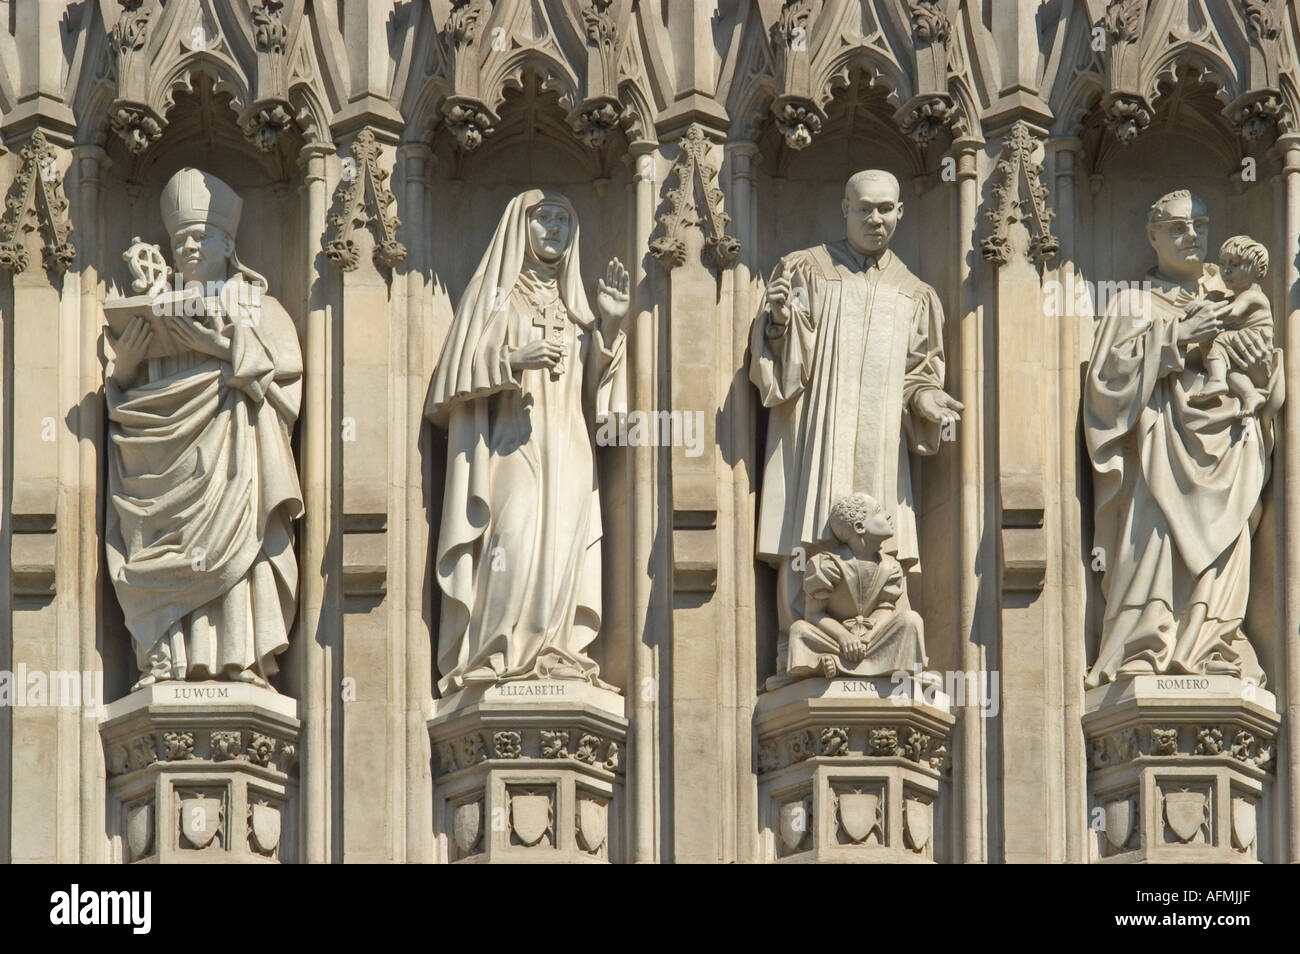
840	379
1177	492
518	553
204	489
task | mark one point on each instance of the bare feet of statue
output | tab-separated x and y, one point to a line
1208	393
829	669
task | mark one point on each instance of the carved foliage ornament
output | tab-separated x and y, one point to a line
269	31
36	200
695	200
1261	23
929	22
1122	20
364	197
131	29
1020	196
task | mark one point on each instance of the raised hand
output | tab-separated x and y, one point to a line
612	297
130	349
787	295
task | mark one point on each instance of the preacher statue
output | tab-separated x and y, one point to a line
1180	463
848	354
201	406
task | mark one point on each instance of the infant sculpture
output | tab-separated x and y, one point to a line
203	389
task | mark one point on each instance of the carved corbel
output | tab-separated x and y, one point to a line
599	113
695	200
925	116
1258	114
131	118
1126	110
595	118
467	117
36	201
1019	197
364	197
1261	111
271	115
932	109
797	114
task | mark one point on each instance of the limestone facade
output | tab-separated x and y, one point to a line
376	147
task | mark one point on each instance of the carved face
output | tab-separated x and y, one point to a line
874	525
1236	274
549	229
871	213
861	516
202	253
1182	239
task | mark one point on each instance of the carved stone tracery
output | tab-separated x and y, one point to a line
696	200
364	197
1020	196
36	201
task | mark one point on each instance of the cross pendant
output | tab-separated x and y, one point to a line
552	323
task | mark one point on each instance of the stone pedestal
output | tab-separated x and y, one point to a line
202	772
529	772
852	770
1179	769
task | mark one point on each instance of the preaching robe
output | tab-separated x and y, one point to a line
1177	491
840	379
518	551
204	488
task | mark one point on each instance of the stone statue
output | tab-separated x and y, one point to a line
853	623
848	354
1180	463
1243	263
526	372
201	404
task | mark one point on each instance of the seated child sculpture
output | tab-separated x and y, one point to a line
1243	263
853	621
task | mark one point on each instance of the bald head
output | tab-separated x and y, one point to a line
876	176
871	210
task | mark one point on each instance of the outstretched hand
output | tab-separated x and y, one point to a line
937	407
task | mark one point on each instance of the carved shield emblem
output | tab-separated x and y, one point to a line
264	826
1243	824
794	824
139	831
531	817
1119	822
1185	813
918	817
200	819
467	826
859	814
593	824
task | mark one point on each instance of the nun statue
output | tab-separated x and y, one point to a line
525	376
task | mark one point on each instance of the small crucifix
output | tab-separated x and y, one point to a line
552	322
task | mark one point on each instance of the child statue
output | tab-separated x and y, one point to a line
856	619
